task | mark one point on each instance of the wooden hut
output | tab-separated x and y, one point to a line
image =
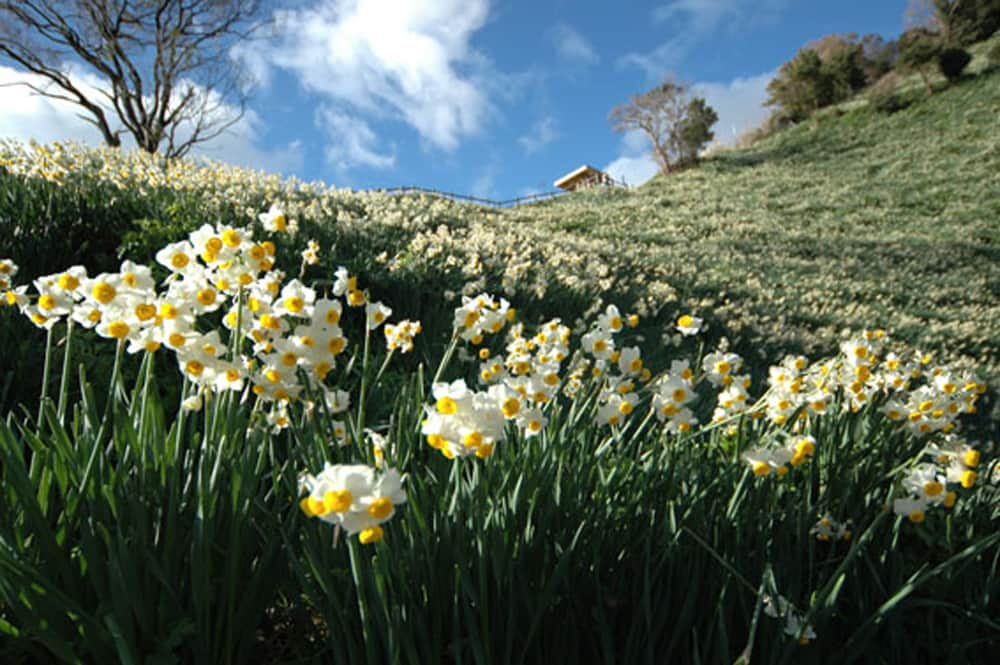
584	177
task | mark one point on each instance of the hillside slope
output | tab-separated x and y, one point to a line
843	222
848	221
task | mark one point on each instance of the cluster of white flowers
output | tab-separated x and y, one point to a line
8	270
778	607
862	372
464	422
480	316
951	465
536	253
672	395
767	459
354	498
294	332
400	336
827	529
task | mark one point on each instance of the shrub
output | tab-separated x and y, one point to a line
968	21
802	85
952	62
884	96
919	48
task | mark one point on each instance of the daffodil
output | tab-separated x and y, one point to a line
688	325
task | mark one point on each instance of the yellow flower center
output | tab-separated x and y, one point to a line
179	260
380	508
103	292
145	312
118	329
371	535
231	238
68	282
206	297
447	406
337	501
510	407
933	488
336	345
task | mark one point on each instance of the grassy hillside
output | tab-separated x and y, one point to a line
854	219
555	509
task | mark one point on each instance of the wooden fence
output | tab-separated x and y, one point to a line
508	203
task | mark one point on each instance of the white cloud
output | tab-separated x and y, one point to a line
542	133
352	141
634	164
572	46
739	103
691	22
633	171
25	115
391	60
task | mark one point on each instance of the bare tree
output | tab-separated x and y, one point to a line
164	65
677	126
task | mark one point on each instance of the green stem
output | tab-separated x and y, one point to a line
446	358
64	381
364	387
45	374
362	591
112	393
381	370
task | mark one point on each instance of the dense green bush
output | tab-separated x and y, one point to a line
966	22
952	62
919	50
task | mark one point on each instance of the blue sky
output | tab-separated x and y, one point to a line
493	98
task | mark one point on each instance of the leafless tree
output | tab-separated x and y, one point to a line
677	125
166	74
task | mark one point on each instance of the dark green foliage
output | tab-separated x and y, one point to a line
919	50
846	68
828	71
965	22
802	86
137	538
695	130
952	62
